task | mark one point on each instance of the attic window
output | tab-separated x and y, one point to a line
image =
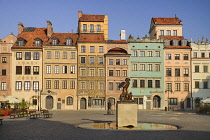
54	41
21	42
175	42
167	42
68	41
184	42
38	42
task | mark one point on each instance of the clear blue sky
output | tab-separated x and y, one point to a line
132	15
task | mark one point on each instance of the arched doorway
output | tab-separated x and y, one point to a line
82	103
49	102
156	101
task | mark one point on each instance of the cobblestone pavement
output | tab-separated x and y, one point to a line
64	124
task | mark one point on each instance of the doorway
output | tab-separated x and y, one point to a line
156	102
49	102
82	103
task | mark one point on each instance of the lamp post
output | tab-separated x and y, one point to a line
39	98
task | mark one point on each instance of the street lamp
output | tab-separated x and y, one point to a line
39	99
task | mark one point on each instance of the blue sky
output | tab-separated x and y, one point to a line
134	16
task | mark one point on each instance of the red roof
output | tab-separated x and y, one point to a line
29	36
91	38
177	47
167	20
87	17
117	50
172	37
62	38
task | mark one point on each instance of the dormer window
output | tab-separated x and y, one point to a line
38	42
167	42
21	42
184	42
68	41
175	42
98	28
54	41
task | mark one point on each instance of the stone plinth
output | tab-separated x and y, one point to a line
126	114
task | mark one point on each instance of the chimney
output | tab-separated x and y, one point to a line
122	35
49	29
20	27
79	14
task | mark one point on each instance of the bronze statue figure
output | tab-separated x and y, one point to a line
125	96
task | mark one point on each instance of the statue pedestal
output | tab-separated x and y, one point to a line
126	114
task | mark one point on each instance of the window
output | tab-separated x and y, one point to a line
142	54
84	27
49	54
168	71
186	87
177	72
97	102
3	72
161	32
34	101
142	83
177	86
101	49
91	60
167	42
48	69
101	72
72	84
101	86
175	42
117	72
195	54
18	85
36	85
36	56
72	69
205	68
124	61
3	86
196	68
186	72
174	32
101	60
18	69
69	101
92	49
91	72
27	85
172	101
149	83
83	73
168	86
19	56
91	85
68	41
203	55
91	27
117	86
197	84
65	54
73	54
83	60
157	67
21	43
64	84
168	32
83	49
57	54
27	69
157	83
36	70
134	83
205	84
168	56
56	84
149	53
185	56
149	67
134	67
57	69
111	73
111	61
98	27
117	61
64	69
142	67
135	53
48	84
157	54
110	85
4	60
27	56
37	42
54	41
124	73
177	56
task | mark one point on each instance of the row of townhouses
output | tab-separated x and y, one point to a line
83	70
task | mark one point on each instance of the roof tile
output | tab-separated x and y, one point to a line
167	20
87	17
91	38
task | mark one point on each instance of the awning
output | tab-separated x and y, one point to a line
207	100
11	99
2	99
